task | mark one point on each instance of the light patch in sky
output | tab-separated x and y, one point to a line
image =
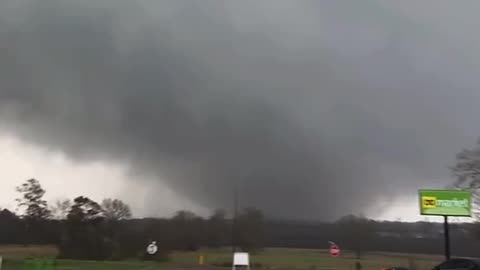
407	210
63	179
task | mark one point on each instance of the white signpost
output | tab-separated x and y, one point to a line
241	260
151	249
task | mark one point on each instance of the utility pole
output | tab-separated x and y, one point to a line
234	218
446	235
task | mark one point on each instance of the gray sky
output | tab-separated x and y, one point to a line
313	109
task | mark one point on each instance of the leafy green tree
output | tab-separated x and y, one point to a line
218	229
188	229
31	200
10	229
357	233
35	212
249	232
84	209
84	235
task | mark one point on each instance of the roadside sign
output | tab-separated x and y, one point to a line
152	248
445	203
334	250
241	260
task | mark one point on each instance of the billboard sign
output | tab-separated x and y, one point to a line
445	202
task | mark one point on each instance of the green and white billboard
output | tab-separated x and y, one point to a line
445	202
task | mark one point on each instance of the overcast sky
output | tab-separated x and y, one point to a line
311	109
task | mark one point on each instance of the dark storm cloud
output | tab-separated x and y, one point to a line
313	109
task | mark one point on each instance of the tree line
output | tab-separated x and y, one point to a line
85	229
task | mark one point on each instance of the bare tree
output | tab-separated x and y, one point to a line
114	209
61	209
467	172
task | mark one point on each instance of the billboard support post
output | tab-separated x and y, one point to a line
446	203
446	235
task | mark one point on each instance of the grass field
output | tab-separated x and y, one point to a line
298	259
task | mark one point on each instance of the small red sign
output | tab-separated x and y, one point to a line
334	250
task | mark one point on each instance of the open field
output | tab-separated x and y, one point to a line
313	259
299	259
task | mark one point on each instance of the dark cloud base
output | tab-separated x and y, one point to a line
308	116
